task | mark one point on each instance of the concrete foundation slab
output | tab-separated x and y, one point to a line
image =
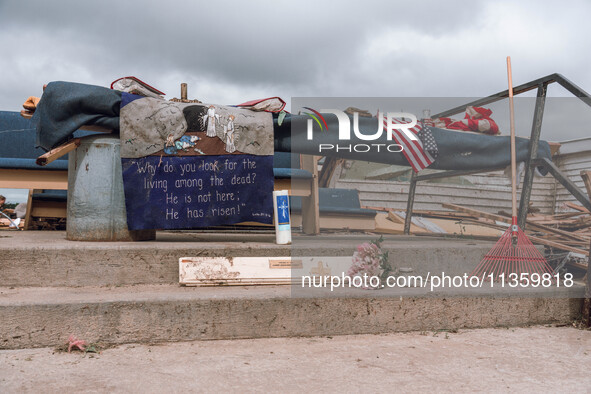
42	258
36	317
532	359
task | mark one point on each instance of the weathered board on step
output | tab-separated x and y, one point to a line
227	271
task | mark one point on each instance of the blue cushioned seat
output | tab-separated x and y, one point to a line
18	150
286	165
335	201
51	195
29	164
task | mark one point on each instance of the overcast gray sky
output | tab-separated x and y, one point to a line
230	52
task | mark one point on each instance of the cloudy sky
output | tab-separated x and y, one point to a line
230	52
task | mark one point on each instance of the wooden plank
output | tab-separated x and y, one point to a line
49	209
577	207
554	148
504	219
385	226
33	179
328	170
557	245
347	222
382	209
7	223
58	152
560	246
295	187
395	218
467	228
28	212
282	270
586	175
310	203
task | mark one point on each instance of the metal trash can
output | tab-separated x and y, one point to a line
96	202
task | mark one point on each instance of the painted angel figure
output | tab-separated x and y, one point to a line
229	133
210	120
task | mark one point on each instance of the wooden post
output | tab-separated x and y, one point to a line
586	175
328	169
28	215
184	91
587	300
311	205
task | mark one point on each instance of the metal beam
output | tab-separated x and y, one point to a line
542	85
564	181
502	95
548	79
411	200
449	174
528	178
574	89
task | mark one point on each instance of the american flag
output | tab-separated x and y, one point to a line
420	153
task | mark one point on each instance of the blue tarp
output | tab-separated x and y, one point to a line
65	107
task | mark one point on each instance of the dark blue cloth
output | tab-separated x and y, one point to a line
17	137
127	98
159	196
66	106
17	144
457	150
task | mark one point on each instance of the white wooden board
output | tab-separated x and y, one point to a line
224	271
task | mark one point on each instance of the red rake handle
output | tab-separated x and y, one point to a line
513	164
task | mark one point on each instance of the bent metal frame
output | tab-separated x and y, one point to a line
542	85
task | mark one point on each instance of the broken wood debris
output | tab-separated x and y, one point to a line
555	231
565	231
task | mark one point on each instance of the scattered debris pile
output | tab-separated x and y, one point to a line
566	235
568	231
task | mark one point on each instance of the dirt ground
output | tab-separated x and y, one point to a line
541	359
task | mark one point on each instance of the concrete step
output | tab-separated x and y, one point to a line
45	259
46	316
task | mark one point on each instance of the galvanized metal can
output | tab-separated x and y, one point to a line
96	201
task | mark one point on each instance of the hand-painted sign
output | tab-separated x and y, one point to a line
193	165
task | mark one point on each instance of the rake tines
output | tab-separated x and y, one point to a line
513	253
508	257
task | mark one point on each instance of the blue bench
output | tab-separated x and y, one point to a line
299	175
18	169
339	209
47	185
